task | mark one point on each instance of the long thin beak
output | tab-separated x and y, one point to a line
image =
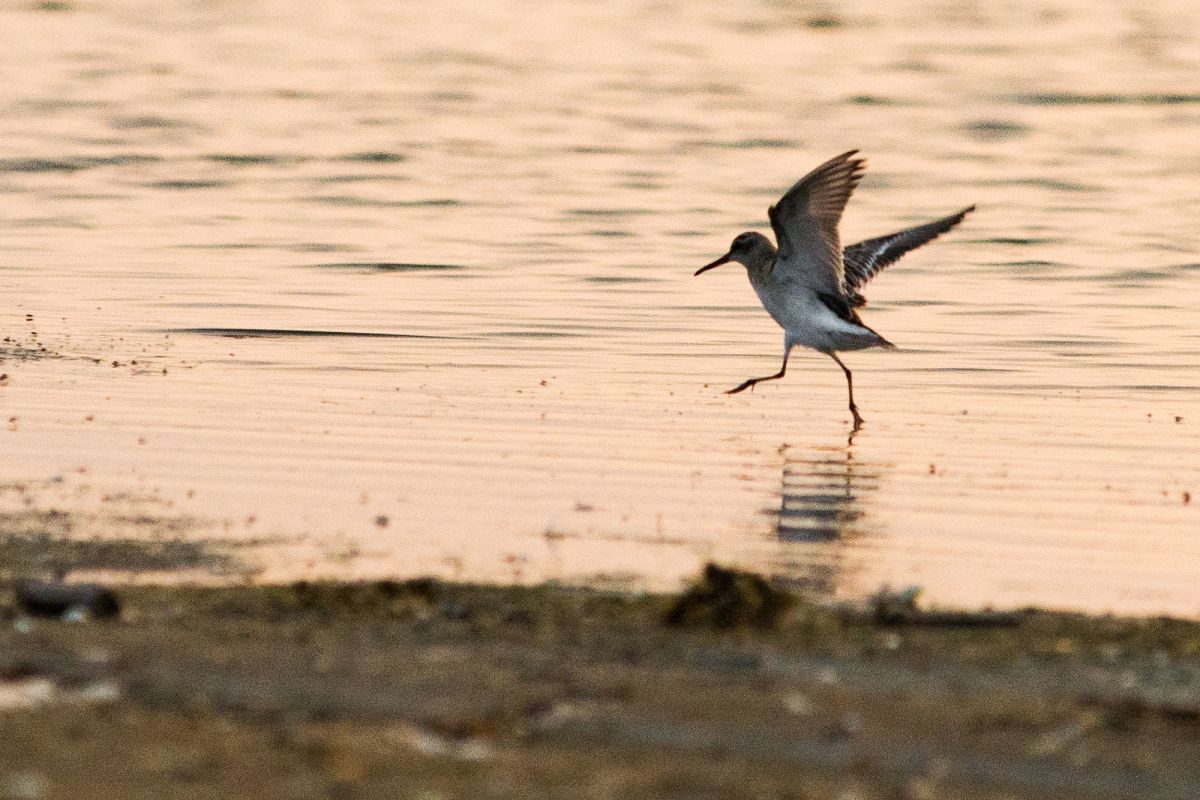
725	259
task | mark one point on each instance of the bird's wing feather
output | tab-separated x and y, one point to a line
862	261
806	225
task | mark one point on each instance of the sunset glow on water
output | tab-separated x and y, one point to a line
388	296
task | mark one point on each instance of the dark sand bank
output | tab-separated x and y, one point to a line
430	689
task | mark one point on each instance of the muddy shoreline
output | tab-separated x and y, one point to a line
734	689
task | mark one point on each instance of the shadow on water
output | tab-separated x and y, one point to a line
280	333
821	505
388	266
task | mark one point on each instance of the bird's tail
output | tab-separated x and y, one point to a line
883	343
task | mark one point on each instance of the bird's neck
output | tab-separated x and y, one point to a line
761	266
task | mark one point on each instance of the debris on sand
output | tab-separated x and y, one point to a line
901	607
729	598
75	602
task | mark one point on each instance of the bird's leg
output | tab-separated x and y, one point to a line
858	420
749	384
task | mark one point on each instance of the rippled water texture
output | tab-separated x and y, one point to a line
407	288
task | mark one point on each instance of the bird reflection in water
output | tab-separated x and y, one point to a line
821	510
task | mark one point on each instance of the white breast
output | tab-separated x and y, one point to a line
807	322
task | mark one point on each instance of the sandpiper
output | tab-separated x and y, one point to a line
809	285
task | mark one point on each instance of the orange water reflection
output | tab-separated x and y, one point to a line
480	350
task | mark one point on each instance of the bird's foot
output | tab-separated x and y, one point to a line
742	387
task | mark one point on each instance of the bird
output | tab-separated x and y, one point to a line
809	284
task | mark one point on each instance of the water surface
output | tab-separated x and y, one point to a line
407	289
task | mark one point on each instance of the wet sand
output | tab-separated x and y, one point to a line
736	689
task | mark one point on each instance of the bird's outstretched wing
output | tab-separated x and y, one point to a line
806	225
863	260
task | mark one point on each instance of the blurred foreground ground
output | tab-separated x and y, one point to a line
434	690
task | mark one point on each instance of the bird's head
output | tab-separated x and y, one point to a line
753	250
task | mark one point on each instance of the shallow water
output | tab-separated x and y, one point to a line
409	290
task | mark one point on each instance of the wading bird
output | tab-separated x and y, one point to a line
809	285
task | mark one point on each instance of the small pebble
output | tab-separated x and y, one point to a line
798	703
851	723
76	614
827	676
99	692
23	786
